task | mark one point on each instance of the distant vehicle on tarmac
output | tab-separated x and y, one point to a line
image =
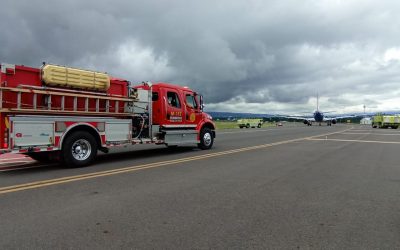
250	123
385	121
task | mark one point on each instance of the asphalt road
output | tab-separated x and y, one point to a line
281	188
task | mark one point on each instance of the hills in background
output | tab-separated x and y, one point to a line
226	115
233	116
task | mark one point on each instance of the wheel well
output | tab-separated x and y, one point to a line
85	128
209	126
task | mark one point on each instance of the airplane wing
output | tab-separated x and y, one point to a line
305	119
299	117
329	118
333	119
309	121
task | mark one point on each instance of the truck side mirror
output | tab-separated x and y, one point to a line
201	103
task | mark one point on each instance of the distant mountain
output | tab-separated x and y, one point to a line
231	115
390	112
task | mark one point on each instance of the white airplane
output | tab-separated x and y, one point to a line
319	117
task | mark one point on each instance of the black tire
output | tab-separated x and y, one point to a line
43	157
247	125
206	139
259	125
79	149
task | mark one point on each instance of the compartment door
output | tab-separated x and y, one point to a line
118	131
26	134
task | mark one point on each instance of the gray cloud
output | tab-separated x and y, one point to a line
271	56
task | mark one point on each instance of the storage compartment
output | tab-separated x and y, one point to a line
118	131
31	133
174	137
118	87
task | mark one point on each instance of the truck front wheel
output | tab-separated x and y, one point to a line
206	139
79	149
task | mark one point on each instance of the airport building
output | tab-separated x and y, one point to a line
366	121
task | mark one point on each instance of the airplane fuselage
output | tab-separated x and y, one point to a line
318	116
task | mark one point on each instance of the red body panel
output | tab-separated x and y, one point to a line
22	75
118	87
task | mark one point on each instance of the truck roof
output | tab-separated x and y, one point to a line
164	84
168	85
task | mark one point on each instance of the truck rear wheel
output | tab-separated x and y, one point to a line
79	149
206	139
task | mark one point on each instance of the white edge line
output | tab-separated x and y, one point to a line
361	141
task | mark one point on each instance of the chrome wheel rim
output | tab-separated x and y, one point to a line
81	150
207	139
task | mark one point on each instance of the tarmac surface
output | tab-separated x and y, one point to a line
290	187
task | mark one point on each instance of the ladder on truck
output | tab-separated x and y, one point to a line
45	101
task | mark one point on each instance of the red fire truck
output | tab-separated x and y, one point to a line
57	113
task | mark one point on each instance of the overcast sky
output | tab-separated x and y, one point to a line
244	56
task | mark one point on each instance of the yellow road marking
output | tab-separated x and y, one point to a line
362	141
50	182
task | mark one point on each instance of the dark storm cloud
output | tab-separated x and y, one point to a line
274	55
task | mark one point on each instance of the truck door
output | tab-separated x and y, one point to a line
192	108
173	107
